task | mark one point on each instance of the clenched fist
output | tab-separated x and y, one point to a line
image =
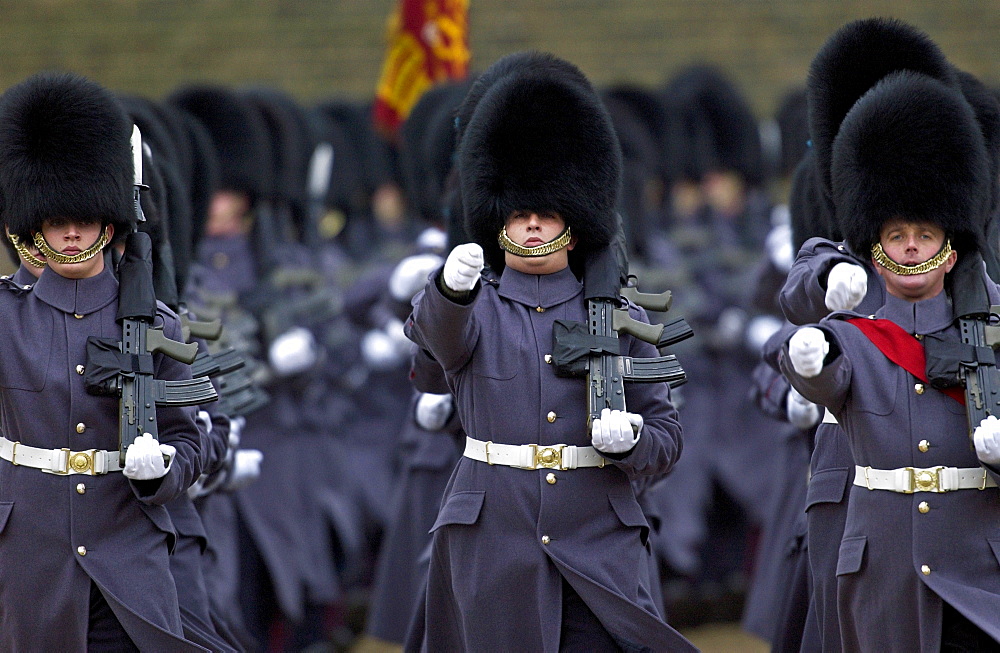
806	350
846	286
461	270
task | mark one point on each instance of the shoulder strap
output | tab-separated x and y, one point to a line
901	348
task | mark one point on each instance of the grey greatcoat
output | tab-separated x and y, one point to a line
505	536
897	563
60	533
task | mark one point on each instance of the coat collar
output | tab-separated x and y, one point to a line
77	296
926	316
539	290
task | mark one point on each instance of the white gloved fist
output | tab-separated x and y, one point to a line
292	352
144	459
806	350
410	275
616	431
802	413
432	411
204	421
461	270
779	247
846	286
986	438
386	348
246	469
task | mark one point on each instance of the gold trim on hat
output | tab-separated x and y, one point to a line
22	249
544	249
85	255
908	270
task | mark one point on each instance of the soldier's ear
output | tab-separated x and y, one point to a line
111	232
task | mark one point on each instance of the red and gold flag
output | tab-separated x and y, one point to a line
428	44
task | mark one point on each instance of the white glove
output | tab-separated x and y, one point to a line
386	348
144	459
779	247
433	411
616	431
802	413
806	349
846	286
204	421
986	437
292	352
410	275
246	469
236	425
461	270
759	329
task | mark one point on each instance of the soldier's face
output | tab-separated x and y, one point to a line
912	243
70	238
530	229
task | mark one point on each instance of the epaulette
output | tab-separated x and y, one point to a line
7	283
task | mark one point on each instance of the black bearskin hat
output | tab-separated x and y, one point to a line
64	151
238	134
538	138
857	56
911	147
792	117
810	211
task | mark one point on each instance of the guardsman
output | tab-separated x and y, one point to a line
912	184
84	541
530	552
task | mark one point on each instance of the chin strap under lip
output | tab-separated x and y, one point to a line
554	245
932	263
85	255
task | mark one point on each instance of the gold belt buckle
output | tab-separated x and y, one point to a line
924	480
549	457
82	462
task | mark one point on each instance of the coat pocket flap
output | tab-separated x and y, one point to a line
5	509
852	555
460	508
994	544
630	514
827	486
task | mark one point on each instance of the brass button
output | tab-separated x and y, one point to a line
918	336
919	388
925	570
77	316
548	358
550	478
81	427
840	247
546	539
82	550
923	445
79	369
924	507
551	417
539	309
81	488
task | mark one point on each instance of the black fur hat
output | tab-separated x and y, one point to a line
538	138
810	211
792	117
64	151
857	56
238	133
911	147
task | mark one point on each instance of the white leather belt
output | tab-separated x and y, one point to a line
60	461
930	479
533	456
828	417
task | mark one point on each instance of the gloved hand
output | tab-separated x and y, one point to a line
204	421
779	247
986	438
432	411
236	425
806	350
616	431
144	459
759	329
246	469
386	348
292	352
461	270
410	275
802	413
846	286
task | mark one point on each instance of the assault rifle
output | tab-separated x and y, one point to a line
594	349
125	369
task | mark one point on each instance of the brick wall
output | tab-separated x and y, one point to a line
316	48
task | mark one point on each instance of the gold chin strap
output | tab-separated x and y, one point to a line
85	255
908	270
544	249
22	249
